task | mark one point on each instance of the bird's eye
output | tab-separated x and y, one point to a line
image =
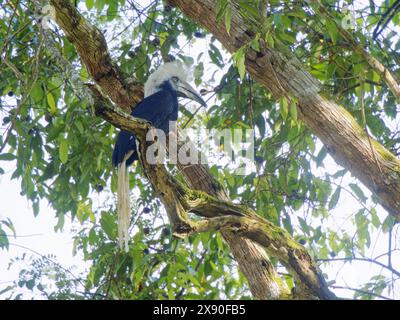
175	79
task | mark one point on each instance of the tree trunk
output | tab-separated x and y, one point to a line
251	258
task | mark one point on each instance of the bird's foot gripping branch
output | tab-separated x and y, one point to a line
179	200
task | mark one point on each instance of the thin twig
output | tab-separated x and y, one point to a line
361	291
397	273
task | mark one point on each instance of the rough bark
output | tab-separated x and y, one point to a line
92	48
283	74
251	258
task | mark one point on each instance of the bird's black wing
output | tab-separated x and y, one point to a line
158	109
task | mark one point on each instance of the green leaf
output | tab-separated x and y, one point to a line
332	241
334	199
198	73
248	8
241	67
52	104
303	224
63	151
239	58
339	173
255	43
270	40
100	5
8	288
7	157
332	30
4	243
10	225
228	18
283	108
374	218
108	224
89	4
293	111
372	6
35	207
79	126
287	37
112	10
388	223
216	56
359	193
30	284
83	211
60	222
93	237
287	223
37	93
163	36
220	8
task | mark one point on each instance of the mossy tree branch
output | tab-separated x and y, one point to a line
92	48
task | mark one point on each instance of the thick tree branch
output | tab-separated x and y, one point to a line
278	244
283	74
92	48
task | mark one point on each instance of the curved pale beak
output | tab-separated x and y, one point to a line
185	90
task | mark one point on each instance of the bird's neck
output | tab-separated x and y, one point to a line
166	85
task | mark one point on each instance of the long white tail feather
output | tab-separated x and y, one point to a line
124	208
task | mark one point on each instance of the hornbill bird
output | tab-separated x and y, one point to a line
159	107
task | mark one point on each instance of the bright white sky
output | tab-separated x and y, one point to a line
38	233
35	234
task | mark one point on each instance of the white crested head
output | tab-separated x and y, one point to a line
165	72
